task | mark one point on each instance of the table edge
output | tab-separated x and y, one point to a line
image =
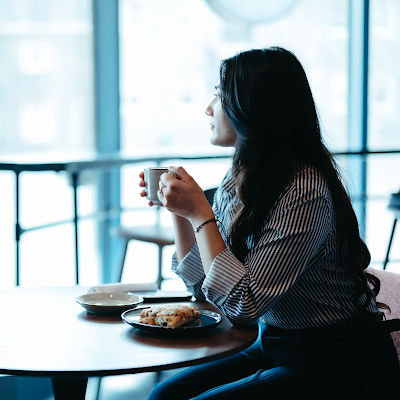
126	371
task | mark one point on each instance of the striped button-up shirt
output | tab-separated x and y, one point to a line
291	277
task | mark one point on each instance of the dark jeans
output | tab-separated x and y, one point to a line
279	367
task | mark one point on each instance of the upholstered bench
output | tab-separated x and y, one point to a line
390	295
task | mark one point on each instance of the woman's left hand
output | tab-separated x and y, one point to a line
184	197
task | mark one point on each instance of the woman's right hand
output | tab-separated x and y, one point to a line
184	197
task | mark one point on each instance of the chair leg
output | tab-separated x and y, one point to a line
390	244
160	265
98	389
123	260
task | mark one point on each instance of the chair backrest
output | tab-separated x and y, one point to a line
210	195
394	204
395	200
390	295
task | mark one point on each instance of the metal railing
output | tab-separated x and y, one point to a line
74	167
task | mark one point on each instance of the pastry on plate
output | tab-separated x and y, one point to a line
169	315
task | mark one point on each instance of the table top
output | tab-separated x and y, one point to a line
44	332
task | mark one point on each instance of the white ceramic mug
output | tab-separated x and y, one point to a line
152	179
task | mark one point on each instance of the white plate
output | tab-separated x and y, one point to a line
109	303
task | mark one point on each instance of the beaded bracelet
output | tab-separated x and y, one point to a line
204	223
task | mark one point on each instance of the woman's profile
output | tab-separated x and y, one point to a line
280	246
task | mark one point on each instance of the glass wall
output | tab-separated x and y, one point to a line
170	54
169	59
46	107
46	78
383	127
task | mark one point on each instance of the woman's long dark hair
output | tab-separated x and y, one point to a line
267	99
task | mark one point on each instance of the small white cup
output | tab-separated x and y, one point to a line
151	180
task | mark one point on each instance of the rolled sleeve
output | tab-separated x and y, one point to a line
191	271
225	273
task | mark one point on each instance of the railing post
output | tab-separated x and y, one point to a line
74	178
18	230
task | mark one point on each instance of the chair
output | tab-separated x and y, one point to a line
159	235
390	295
394	205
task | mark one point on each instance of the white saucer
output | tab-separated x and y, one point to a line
109	303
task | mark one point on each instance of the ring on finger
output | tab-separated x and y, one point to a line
173	174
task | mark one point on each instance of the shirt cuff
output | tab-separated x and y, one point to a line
190	269
225	273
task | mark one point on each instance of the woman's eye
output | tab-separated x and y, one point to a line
217	95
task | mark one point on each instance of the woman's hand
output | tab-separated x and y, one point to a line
184	197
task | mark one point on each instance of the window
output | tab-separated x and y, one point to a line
46	105
46	79
170	54
169	59
383	128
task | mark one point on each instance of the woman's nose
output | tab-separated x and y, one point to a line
209	110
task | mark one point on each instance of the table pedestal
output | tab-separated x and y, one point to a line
69	388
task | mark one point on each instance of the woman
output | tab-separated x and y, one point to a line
281	245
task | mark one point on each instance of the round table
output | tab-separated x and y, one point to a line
45	333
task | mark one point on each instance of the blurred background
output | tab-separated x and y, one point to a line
82	77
